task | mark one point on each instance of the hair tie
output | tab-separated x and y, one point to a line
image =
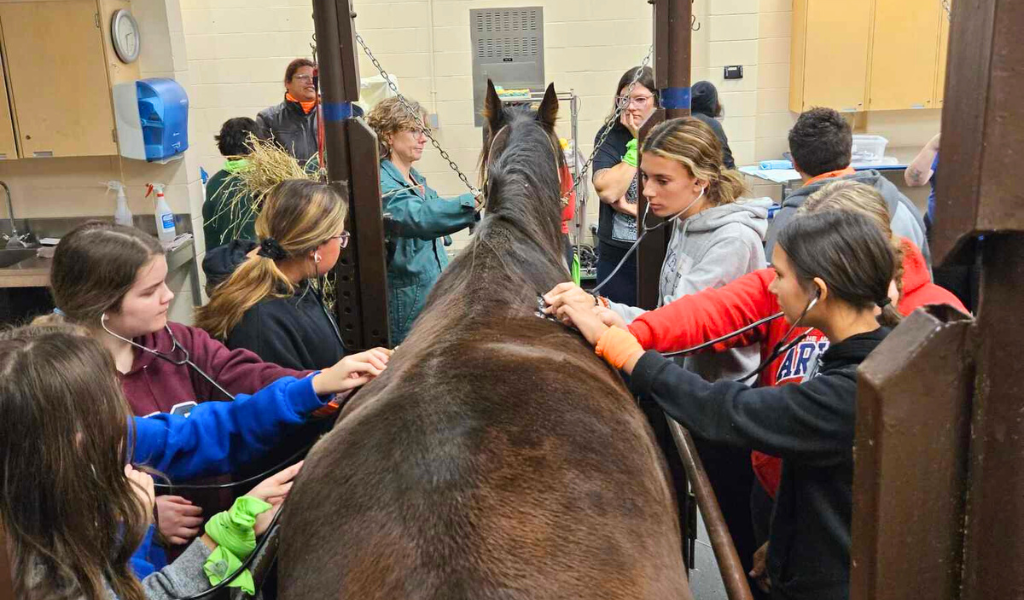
886	301
269	248
59	312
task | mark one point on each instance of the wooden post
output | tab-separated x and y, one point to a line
351	157
672	78
938	487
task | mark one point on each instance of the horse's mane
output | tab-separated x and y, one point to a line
516	251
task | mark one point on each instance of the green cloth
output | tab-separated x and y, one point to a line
234	166
236	540
228	212
576	266
631	157
417	225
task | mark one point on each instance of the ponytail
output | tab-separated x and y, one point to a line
254	280
889	317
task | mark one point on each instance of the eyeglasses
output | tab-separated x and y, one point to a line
418	131
342	238
635	100
306	78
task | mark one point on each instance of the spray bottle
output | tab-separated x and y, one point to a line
165	231
122	215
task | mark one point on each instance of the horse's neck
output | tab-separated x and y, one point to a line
504	267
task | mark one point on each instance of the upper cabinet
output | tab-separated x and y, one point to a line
856	55
829	29
8	148
59	74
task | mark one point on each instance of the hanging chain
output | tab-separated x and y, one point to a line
412	111
621	103
949	10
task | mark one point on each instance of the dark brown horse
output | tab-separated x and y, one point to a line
497	457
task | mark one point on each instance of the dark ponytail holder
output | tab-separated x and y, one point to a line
886	301
269	248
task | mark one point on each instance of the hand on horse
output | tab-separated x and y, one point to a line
568	293
583	318
273	490
178	520
611	318
351	372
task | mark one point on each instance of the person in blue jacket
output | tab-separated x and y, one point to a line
417	222
72	509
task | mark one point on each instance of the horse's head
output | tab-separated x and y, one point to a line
520	164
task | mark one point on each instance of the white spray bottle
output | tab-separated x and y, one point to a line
122	215
165	230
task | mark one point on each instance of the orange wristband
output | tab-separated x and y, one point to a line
602	301
617	347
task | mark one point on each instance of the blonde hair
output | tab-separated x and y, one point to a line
389	117
694	145
299	215
859	198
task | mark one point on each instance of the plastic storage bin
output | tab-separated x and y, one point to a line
868	148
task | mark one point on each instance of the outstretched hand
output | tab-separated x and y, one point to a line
352	371
585	319
273	490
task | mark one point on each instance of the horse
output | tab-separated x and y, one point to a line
497	457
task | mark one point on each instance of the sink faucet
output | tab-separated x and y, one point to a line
14	241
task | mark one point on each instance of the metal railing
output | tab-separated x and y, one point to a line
734	576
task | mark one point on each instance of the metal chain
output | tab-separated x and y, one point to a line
949	10
412	111
621	103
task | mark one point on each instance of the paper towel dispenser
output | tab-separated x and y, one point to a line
152	119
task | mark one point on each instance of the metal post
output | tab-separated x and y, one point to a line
351	156
672	78
940	432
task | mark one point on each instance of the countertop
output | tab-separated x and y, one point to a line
35	271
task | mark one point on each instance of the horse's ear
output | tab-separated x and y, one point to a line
493	111
547	114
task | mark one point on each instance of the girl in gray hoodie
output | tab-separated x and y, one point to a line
715	239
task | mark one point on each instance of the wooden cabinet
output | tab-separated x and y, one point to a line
8	147
903	55
830	29
940	72
59	76
857	55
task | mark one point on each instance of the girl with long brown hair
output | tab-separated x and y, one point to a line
73	506
110	280
269	304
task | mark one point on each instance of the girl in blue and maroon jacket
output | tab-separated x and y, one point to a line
110	280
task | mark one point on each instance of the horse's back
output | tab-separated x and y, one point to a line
487	467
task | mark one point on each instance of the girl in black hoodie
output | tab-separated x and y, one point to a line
269	304
833	271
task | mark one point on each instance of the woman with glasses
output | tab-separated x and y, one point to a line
271	304
417	222
615	180
292	123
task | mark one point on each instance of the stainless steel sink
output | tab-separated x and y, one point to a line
12	257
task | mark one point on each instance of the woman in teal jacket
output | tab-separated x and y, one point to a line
417	222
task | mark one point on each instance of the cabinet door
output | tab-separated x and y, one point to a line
58	78
903	61
940	77
835	57
8	148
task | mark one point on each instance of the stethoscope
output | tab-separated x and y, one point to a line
644	230
781	347
169	357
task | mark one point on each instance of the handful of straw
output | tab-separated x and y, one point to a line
268	165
